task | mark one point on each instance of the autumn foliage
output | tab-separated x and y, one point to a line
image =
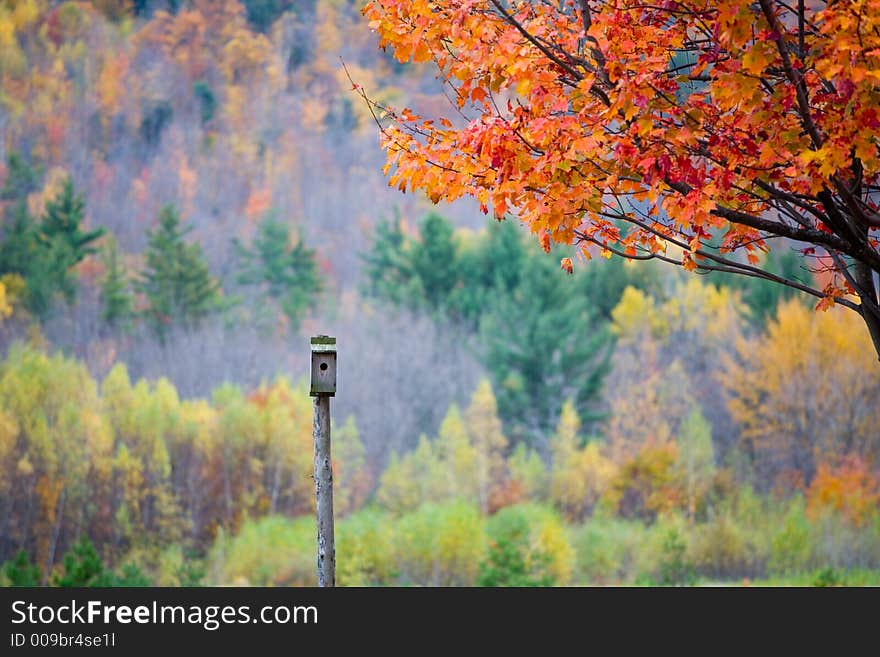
699	133
851	489
509	417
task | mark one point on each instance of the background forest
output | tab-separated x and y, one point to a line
189	189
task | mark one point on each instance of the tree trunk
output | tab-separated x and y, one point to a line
870	306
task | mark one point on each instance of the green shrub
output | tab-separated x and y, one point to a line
550	537
609	550
441	545
675	568
81	566
791	549
723	548
515	558
365	549
662	557
271	551
827	577
20	571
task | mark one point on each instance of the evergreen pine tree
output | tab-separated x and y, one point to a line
21	179
43	253
116	299
81	566
19	248
491	267
61	236
289	273
176	282
543	344
41	263
387	268
434	261
20	252
543	334
62	221
20	571
513	559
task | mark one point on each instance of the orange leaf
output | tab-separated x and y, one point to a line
545	242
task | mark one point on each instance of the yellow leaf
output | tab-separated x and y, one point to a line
756	60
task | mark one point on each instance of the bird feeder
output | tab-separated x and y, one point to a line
323	366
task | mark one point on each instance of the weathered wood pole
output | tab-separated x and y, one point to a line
324	387
324	493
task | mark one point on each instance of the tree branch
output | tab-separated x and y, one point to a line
796	80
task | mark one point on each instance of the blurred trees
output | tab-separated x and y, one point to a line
147	477
580	474
761	296
286	272
696	458
44	252
176	281
131	465
195	104
262	13
802	393
465	460
528	318
544	344
117	303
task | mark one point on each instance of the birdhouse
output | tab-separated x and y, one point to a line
323	366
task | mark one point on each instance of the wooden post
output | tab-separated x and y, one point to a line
322	389
324	493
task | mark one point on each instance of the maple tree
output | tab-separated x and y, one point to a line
687	131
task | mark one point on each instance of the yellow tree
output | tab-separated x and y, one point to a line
696	457
445	468
286	456
414	478
668	350
805	391
6	303
57	449
579	475
528	475
459	457
484	428
351	475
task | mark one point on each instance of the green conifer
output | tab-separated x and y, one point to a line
176	282
288	272
116	299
